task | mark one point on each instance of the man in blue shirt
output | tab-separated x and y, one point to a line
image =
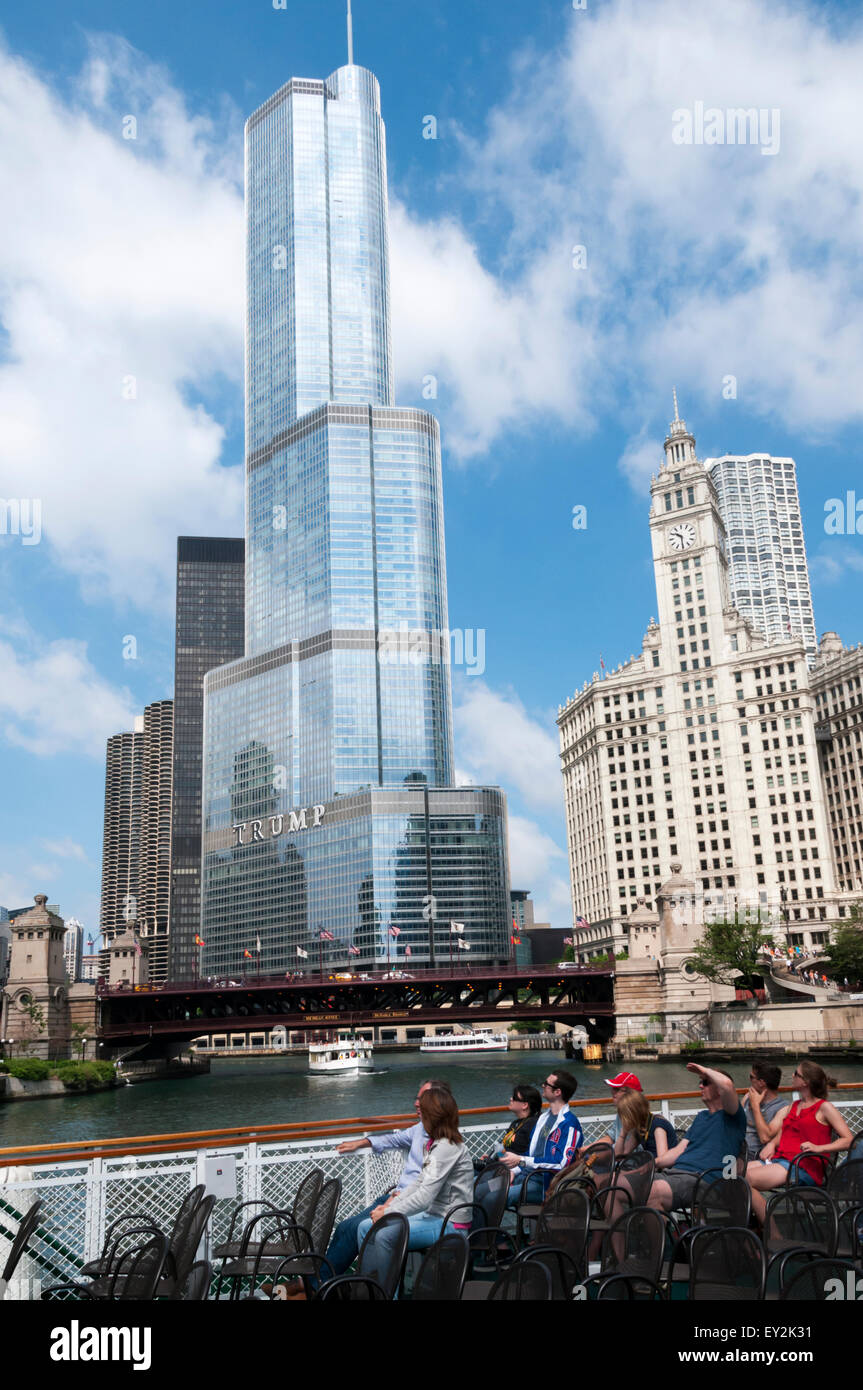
712	1141
343	1247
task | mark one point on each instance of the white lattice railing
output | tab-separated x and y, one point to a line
82	1198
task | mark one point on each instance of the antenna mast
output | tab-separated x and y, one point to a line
350	36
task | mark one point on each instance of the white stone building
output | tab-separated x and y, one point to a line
837	681
700	749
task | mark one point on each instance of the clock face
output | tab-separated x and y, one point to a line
681	537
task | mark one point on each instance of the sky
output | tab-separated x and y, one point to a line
575	240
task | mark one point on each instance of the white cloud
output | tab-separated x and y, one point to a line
52	700
538	864
500	744
65	848
123	260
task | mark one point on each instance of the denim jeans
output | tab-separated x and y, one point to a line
424	1230
346	1239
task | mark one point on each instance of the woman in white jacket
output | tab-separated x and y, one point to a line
445	1181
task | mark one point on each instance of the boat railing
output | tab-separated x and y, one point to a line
85	1186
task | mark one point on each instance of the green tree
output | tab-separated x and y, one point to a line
846	948
79	1033
730	953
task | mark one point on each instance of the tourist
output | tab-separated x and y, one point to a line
762	1105
343	1247
525	1105
806	1126
639	1129
625	1083
445	1180
555	1138
711	1144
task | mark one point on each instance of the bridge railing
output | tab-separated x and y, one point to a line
85	1187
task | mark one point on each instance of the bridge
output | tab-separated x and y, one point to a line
158	1019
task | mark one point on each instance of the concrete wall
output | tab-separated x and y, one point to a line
835	1022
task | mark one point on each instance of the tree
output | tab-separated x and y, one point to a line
846	948
79	1033
730	953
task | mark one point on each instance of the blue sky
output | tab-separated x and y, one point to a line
124	261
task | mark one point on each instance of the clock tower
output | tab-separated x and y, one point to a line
689	555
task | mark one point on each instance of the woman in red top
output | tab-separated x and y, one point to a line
805	1127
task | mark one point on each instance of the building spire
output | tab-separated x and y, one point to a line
350	36
673	389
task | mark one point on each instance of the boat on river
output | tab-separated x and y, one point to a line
344	1053
471	1040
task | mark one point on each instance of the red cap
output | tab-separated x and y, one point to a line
625	1078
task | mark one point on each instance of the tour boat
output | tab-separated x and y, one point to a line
472	1040
344	1053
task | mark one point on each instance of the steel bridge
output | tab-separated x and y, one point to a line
161	1018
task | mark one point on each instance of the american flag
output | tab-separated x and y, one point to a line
353	950
326	936
395	931
568	941
582	922
407	950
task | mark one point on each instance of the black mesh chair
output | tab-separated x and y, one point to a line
230	1249
183	1243
188	1207
824	1165
295	1274
626	1288
800	1218
135	1266
845	1186
722	1202
635	1245
631	1181
599	1161
442	1272
529	1282
266	1240
565	1221
352	1288
26	1226
562	1269
324	1215
196	1286
490	1191
856	1149
306	1200
382	1253
821	1281
726	1266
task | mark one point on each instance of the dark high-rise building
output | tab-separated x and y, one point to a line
154	863
210	620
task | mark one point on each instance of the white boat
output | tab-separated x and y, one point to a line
344	1053
471	1040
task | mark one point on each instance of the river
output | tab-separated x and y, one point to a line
279	1090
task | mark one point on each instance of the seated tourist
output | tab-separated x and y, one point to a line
807	1126
639	1129
556	1136
525	1104
445	1180
762	1105
712	1142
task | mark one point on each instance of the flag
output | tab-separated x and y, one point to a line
601	662
326	936
407	950
456	926
304	955
199	941
582	923
515	940
568	941
353	950
247	955
463	945
137	947
90	940
258	945
395	931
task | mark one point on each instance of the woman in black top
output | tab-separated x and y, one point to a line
640	1129
525	1104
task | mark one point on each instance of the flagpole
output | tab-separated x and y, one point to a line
320	953
451	972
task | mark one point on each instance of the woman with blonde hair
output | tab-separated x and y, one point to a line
807	1126
641	1130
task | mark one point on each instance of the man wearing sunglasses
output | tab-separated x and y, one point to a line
556	1136
714	1137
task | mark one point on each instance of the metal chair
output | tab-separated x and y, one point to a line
136	1262
800	1218
562	1269
564	1221
631	1181
529	1282
267	1238
382	1253
183	1243
817	1281
352	1288
726	1265
196	1286
26	1227
856	1149
845	1186
442	1272
627	1288
189	1205
635	1245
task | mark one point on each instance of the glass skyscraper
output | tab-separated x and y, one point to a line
327	795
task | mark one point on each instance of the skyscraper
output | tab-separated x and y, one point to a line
328	798
767	571
121	843
209	632
700	748
73	948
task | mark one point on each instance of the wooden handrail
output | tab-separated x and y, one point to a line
79	1150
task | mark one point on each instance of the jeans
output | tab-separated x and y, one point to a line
424	1230
346	1239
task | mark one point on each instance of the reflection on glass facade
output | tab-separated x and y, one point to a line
344	547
